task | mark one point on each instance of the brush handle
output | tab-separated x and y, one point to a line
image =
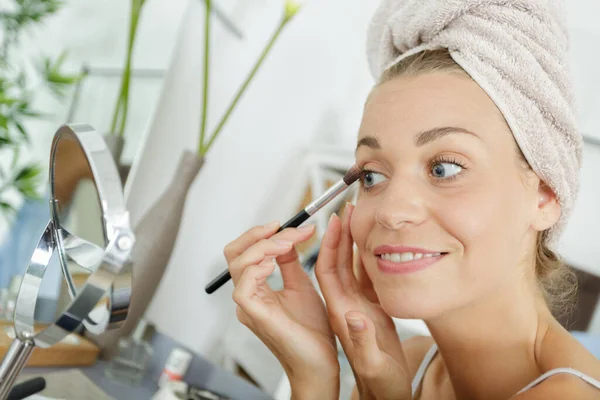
27	388
225	276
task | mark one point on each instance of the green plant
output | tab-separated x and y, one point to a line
17	94
290	9
119	119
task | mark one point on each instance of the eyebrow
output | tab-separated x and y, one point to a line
421	138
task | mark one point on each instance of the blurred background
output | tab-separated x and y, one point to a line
293	128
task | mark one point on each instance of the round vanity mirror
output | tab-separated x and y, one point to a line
82	168
95	246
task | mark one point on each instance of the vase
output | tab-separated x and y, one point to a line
115	145
156	234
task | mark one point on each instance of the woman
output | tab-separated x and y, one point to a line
469	156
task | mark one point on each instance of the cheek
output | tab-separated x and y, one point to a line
361	224
489	225
483	214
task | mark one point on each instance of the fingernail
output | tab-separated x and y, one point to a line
307	228
267	262
355	324
283	243
332	215
271	225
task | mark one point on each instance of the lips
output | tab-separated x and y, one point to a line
394	249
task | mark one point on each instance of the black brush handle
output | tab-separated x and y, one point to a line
295	221
27	388
225	276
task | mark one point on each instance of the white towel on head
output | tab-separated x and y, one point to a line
517	51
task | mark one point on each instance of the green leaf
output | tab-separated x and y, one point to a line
28	172
7	208
8	100
16	154
33	114
5	141
58	81
29	192
27	181
21	130
3	122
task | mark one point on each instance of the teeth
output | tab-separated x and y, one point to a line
406	257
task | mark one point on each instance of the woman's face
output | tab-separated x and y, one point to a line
442	175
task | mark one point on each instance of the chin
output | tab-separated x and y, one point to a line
407	302
410	310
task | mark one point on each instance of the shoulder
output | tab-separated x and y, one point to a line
415	350
561	386
558	350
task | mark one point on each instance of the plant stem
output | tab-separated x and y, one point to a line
113	124
206	66
244	86
122	105
132	34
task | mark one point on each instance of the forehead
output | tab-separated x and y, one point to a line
418	103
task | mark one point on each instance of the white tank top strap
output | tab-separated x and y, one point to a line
418	379
595	383
422	368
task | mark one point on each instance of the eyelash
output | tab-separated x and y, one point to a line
435	161
449	160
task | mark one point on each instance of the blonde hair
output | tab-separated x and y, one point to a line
557	282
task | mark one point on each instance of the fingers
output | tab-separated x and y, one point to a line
326	266
280	244
248	238
334	264
344	261
292	272
248	293
366	355
364	282
375	368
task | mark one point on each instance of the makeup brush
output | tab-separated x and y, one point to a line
349	178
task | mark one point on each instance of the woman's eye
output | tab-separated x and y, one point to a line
444	170
371	179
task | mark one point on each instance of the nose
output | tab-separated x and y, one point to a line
402	205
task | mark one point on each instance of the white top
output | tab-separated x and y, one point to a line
433	350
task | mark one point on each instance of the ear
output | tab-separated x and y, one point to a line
548	209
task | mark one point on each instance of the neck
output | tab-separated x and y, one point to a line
499	335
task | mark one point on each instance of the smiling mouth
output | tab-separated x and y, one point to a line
407	256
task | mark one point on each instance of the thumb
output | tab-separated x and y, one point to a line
378	375
367	358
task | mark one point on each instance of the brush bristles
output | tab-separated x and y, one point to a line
352	175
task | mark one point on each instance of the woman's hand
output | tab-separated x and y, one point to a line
367	334
291	322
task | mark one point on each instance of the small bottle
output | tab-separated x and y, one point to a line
131	362
176	366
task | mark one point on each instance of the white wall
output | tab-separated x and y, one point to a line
579	244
